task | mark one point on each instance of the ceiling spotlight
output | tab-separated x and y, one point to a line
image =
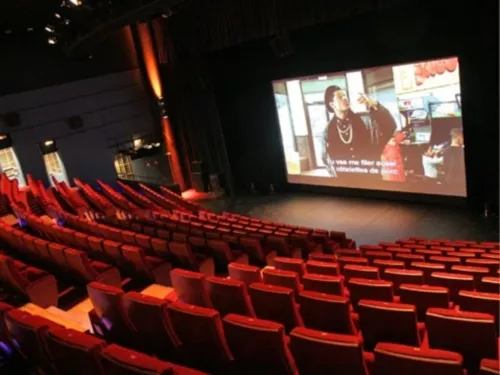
57	15
49	28
52	40
48	143
76	2
67	21
156	144
2	137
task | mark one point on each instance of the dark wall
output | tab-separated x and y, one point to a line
29	62
242	78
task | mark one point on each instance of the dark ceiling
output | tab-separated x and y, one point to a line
19	15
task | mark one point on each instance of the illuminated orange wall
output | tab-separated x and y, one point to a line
153	74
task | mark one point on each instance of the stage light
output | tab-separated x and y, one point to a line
137	143
57	15
76	2
52	40
148	147
2	137
49	28
67	21
156	144
48	143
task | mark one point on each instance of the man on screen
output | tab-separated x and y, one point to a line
346	136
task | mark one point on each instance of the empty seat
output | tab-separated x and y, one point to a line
492	264
489	367
108	317
427	269
477	272
447	261
348	253
424	297
72	352
326	312
152	324
379	290
372	255
409	360
489	284
183	254
290	264
409	258
150	268
88	270
364	272
56	251
287	279
322	268
244	272
224	255
321	353
470	334
383	264
342	261
201	334
400	276
487	303
453	281
398	250
253	247
428	253
321	257
258	346
388	322
190	287
323	284
276	304
229	296
365	248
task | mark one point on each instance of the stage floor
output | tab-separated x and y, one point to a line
365	220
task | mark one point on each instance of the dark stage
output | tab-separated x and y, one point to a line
365	220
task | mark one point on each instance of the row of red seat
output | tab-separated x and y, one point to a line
48	347
116	198
261	345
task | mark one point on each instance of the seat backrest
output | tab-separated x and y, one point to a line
326	312
489	367
423	297
28	333
108	307
342	261
56	251
258	346
383	264
387	322
489	284
409	258
322	268
364	272
152	323
400	276
229	296
446	260
183	252
135	256
253	247
372	255
408	360
287	279
276	304
244	272
11	275
73	352
492	264
487	303
221	250
453	281
379	290
321	257
476	272
79	262
321	353
290	264
470	334
427	268
323	284
201	334
120	361
190	287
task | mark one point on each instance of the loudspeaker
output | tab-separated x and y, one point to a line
199	181
75	122
12	119
197	167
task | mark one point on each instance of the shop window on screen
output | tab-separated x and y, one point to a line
11	166
123	167
55	167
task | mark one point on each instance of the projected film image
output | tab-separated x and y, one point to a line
396	128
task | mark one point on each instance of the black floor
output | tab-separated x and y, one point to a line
365	220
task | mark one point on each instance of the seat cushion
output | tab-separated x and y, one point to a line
32	274
100	267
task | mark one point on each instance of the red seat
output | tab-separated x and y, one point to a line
56	251
409	258
190	287
224	254
487	303
258	346
492	264
152	324
323	284
348	253
143	241
187	258
489	367
229	296
244	272
453	281
95	245
477	272
388	322
108	317
424	297
372	255
400	276
364	272
321	353
409	360
326	312
42	248
427	269
201	334
489	284
254	249
89	271
160	247
447	261
398	250
321	257
428	253
322	268
290	264
470	334
287	279
72	352
342	261
379	290
4	337
152	269
463	256
276	304
365	248
383	264
112	251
